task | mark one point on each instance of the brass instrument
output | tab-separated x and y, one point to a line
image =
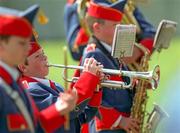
67	122
136	66
152	76
138	109
81	10
128	17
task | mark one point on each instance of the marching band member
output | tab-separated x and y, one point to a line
116	104
18	110
46	92
94	102
77	37
22	115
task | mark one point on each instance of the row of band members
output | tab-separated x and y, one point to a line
29	102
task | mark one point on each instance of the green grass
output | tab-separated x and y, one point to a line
169	61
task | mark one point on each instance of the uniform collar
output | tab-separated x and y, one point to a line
12	71
106	46
104	50
43	81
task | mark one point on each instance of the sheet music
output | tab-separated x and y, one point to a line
164	34
123	42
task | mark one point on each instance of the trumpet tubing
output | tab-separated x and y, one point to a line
128	17
109	84
136	65
81	10
133	74
151	76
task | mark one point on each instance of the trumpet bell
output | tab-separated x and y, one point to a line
155	77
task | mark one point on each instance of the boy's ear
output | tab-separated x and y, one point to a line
22	68
96	26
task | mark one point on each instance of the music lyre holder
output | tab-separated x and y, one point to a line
123	42
165	31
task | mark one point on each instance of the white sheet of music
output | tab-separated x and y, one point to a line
123	41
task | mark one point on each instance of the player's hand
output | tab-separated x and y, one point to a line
93	67
129	124
66	102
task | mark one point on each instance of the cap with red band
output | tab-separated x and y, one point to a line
106	10
103	12
29	14
34	47
15	26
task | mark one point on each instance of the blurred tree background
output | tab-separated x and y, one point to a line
52	38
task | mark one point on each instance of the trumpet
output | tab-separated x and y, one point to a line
151	76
